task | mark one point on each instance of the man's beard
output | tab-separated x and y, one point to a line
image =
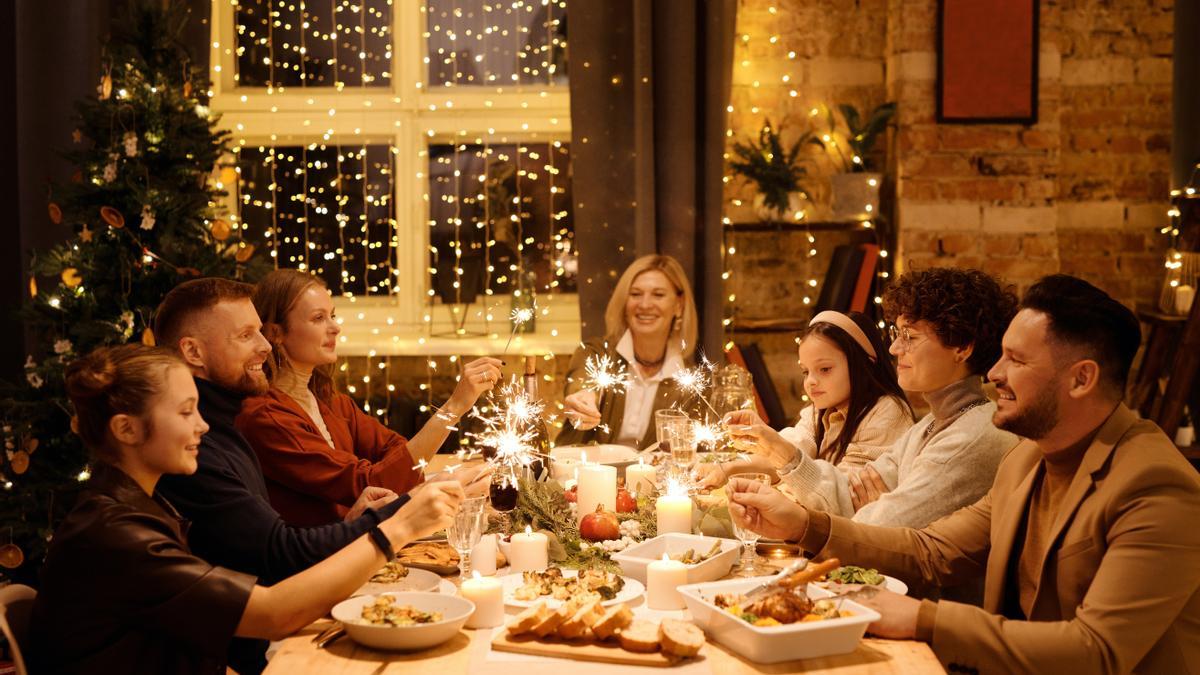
243	382
1037	419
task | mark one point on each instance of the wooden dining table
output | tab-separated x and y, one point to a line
470	652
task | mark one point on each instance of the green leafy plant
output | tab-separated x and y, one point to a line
860	134
776	172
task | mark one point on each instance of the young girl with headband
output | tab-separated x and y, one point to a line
858	409
121	591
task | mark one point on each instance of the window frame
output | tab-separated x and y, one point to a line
410	116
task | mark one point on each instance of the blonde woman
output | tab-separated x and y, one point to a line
651	326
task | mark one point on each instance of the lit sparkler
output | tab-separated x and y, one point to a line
695	381
604	373
507	425
519	317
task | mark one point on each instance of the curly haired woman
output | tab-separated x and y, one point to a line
946	329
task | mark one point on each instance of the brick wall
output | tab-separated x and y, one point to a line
1082	191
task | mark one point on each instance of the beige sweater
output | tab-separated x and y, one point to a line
945	461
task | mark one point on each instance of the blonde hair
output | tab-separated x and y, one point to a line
274	297
685	331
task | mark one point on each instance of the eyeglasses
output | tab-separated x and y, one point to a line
903	337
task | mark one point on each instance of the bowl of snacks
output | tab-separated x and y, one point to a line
706	558
403	621
787	624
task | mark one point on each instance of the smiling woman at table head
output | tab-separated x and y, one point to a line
121	591
651	327
318	449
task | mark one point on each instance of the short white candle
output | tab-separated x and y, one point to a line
488	596
563	469
663	577
674	510
640	478
528	551
597	485
483	556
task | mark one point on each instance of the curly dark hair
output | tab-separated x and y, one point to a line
964	306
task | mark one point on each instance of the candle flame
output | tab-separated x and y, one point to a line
666	558
528	529
583	458
475	574
676	488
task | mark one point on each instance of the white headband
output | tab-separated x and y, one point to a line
847	324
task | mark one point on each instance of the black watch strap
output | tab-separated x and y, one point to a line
382	542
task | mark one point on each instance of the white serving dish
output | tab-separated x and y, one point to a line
631	591
417	581
455	611
636	558
775	644
610	454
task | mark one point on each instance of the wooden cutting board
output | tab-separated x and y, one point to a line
603	652
437	557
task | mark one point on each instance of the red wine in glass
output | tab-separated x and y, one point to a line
504	496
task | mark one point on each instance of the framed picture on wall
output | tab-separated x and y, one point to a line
987	61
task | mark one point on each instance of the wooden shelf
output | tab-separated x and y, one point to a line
812	226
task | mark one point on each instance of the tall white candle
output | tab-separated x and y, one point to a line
674	510
483	556
639	478
597	485
488	596
663	577
528	551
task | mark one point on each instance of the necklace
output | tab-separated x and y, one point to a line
650	364
957	414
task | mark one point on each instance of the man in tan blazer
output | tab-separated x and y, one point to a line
1089	539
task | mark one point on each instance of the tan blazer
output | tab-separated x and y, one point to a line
1120	586
612	407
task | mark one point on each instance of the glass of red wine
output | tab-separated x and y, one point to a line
503	493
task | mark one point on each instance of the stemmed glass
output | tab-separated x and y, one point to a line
749	565
464	532
682	442
503	492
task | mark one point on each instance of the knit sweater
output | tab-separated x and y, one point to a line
947	460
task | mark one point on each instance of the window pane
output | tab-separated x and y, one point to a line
344	230
503	247
473	42
279	46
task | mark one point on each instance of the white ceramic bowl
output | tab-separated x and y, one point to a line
635	559
774	644
455	611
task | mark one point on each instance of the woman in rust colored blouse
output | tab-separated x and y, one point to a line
318	449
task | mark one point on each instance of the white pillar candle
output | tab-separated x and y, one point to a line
488	596
663	577
483	556
674	510
1184	296
528	551
640	478
597	485
563	469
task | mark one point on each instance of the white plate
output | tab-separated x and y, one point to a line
455	611
609	453
417	581
632	590
890	583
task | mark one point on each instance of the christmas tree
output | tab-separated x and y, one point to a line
144	212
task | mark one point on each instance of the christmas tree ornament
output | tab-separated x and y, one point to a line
55	213
148	337
77	177
32	287
112	216
19	462
29	445
77	136
105	88
244	253
147	217
130	141
63	347
71	278
229	176
110	169
85	235
221	230
11	555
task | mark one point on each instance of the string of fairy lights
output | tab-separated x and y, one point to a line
778	77
500	227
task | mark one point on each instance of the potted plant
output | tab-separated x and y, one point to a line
776	172
856	189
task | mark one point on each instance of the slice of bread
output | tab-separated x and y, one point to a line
552	621
681	639
525	621
613	620
640	636
582	620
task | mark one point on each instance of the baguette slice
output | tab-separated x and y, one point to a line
681	639
613	620
580	621
552	621
525	621
640	636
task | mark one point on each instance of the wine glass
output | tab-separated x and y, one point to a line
503	493
464	532
682	443
663	420
749	565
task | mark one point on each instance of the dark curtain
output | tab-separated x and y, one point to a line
650	84
53	59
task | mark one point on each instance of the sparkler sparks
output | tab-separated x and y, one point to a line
506	425
603	373
519	317
695	381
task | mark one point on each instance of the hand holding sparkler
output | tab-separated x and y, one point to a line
601	373
477	377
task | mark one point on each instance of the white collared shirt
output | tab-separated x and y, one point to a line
641	391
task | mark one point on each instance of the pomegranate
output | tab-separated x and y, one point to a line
600	525
625	502
572	495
